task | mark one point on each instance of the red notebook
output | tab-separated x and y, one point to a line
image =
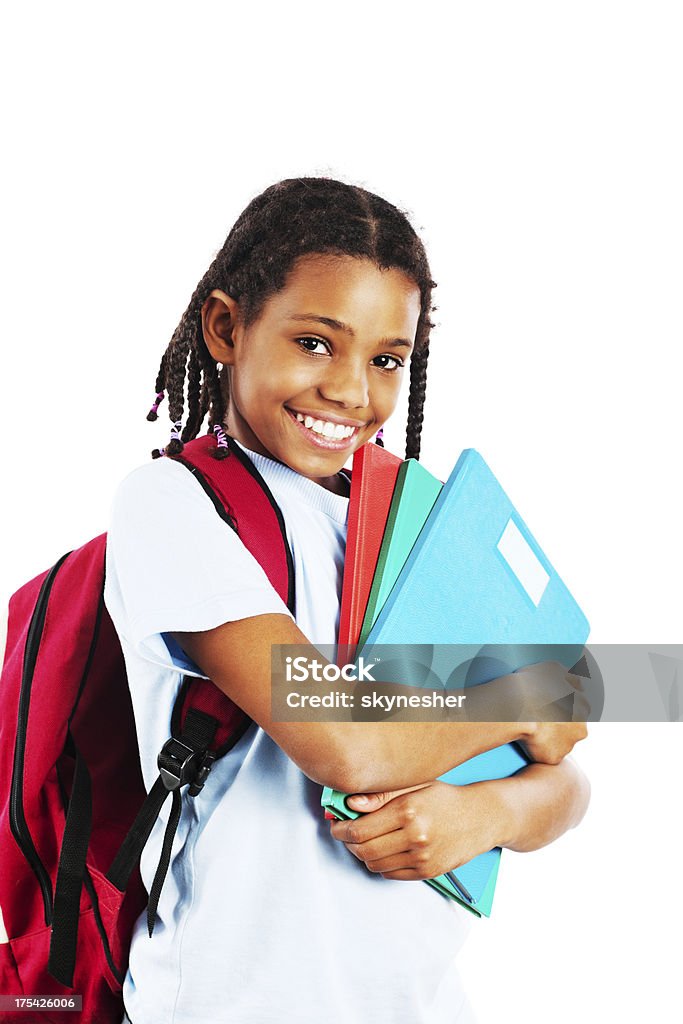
372	486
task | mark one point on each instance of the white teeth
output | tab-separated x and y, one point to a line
336	431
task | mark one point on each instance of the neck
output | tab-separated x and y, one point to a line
338	484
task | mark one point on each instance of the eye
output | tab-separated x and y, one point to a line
308	344
398	363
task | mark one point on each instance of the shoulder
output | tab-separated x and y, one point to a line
161	502
161	490
168	550
157	477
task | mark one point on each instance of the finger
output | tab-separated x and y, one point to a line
366	802
574	681
399	862
402	876
390	845
581	708
394	815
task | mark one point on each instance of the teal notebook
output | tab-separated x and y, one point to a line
476	576
415	492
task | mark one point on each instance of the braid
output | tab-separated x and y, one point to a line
160	386
418	377
161	376
178	358
217	406
293	218
194	375
211	398
416	398
203	405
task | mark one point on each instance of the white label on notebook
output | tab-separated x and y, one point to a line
523	561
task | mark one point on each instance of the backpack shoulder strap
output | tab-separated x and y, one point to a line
243	499
205	723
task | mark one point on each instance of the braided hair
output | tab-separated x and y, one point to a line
293	218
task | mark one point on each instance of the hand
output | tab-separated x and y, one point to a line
424	831
548	742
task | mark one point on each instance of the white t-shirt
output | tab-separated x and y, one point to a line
264	918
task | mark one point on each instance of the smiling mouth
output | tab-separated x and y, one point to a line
325	433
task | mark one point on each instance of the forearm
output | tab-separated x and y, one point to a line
393	755
368	757
397	755
539	804
358	757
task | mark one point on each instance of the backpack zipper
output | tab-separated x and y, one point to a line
20	829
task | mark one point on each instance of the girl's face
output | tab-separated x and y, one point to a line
319	372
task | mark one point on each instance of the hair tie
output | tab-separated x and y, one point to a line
222	447
152	414
380	435
175	445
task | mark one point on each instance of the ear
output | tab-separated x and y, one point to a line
220	314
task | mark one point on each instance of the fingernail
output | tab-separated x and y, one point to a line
360	799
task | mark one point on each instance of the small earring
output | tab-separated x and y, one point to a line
378	439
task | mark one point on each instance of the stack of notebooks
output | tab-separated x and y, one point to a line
441	564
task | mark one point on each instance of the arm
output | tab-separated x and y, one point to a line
540	803
424	832
351	756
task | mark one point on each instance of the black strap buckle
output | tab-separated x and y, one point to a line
197	783
177	763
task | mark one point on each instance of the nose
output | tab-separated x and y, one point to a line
346	383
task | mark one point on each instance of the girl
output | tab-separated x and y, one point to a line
294	343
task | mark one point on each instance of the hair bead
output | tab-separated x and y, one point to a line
379	440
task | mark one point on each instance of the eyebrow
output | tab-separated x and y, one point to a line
337	325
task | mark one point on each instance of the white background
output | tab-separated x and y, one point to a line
537	147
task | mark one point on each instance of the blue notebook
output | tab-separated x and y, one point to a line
477	577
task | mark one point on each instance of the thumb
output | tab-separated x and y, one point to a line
366	802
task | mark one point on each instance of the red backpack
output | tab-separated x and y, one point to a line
74	813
